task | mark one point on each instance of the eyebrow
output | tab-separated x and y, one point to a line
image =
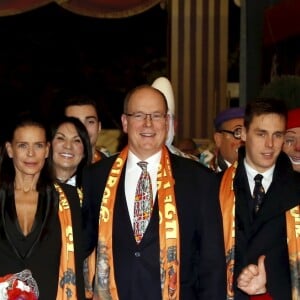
290	131
63	134
91	117
26	142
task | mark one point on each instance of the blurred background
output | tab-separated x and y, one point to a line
216	53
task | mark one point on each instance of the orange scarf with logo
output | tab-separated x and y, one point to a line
227	202
105	285
66	286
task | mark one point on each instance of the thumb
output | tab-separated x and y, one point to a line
261	263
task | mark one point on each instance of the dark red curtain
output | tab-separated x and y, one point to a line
92	8
281	21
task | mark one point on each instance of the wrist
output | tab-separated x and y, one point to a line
261	291
265	296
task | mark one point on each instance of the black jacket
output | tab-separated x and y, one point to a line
202	259
266	233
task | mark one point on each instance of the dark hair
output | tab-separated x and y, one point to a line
7	169
262	106
80	100
140	87
84	136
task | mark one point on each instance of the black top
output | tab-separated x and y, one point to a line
39	251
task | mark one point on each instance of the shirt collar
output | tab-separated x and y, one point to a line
267	175
132	160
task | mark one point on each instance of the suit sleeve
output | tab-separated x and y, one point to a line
212	265
90	211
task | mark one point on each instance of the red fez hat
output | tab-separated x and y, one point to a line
293	119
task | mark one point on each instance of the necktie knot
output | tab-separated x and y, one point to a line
143	165
258	178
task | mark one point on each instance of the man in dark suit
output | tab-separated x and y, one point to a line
181	253
264	226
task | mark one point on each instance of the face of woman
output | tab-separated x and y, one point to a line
67	147
28	149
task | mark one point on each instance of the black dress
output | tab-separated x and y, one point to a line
40	250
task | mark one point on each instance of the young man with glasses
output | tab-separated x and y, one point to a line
227	137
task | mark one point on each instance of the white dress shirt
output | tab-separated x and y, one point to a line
267	176
72	181
132	174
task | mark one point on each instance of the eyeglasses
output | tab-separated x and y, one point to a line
140	116
236	133
291	141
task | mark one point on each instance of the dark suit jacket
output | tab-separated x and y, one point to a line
266	234
202	261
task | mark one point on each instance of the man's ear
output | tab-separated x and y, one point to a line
244	134
124	123
218	139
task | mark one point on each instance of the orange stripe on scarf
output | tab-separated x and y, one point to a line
227	202
105	286
293	240
66	286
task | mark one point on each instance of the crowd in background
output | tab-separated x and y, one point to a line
154	220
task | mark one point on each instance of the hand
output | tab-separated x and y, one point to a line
205	157
253	278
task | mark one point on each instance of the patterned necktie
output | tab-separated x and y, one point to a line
143	203
258	192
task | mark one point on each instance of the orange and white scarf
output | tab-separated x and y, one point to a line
105	285
66	286
227	202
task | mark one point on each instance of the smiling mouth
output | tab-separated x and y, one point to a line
295	160
267	154
67	155
147	134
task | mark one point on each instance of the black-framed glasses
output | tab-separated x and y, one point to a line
140	116
236	133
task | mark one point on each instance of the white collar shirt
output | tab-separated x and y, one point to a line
227	163
133	172
267	176
72	181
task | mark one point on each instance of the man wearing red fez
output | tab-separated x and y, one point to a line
292	139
